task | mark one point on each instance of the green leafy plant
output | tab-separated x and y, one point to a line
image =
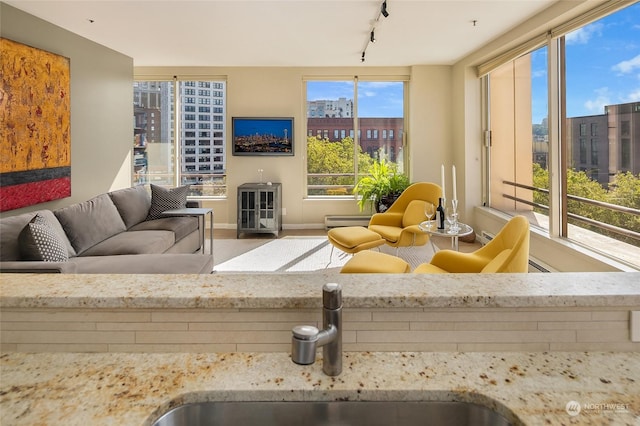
382	183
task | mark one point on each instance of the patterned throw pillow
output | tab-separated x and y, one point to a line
39	241
163	199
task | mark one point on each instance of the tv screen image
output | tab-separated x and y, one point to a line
262	136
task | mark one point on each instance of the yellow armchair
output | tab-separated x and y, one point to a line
508	251
398	226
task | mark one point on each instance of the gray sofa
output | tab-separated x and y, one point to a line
111	233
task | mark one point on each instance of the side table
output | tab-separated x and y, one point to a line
199	212
430	227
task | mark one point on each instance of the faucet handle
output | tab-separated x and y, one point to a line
332	296
303	344
305	332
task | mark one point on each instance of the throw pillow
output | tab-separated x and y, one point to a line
90	222
39	241
132	203
163	199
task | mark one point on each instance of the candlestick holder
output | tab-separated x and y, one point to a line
454	215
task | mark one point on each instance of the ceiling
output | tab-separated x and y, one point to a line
289	32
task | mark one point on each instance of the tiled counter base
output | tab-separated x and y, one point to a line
255	312
135	389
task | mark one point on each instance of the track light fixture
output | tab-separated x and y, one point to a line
383	10
372	35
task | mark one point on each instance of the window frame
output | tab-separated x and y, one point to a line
214	83
356	133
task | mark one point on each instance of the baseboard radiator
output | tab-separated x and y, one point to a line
336	221
534	264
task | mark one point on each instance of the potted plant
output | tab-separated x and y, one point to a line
382	185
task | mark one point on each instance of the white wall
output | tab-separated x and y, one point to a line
101	105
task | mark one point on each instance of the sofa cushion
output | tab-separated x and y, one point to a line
132	203
163	199
133	242
181	226
38	240
90	222
10	228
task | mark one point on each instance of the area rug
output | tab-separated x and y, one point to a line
295	254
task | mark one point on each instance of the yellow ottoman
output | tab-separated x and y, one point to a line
374	262
352	239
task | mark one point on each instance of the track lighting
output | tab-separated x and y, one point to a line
384	9
372	35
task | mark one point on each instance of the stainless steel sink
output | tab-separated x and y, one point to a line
342	413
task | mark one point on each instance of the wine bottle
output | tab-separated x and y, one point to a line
440	214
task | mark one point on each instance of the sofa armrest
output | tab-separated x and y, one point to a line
36	267
193	204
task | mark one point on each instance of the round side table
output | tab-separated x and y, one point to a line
430	227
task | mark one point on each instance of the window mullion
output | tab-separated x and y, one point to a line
356	142
556	167
176	134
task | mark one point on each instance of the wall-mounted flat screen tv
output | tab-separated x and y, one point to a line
262	135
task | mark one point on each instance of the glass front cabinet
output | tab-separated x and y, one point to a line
259	208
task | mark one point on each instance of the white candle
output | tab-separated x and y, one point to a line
455	194
442	179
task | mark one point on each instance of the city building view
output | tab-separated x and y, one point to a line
606	144
201	134
599	145
376	135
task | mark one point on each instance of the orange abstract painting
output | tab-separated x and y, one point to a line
35	119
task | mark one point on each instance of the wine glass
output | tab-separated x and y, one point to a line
451	216
429	210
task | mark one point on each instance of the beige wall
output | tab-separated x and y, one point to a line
101	105
276	91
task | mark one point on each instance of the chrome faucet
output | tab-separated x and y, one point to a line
306	338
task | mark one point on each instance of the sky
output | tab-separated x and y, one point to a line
603	66
375	98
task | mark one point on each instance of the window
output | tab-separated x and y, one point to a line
165	153
589	198
519	134
333	165
602	93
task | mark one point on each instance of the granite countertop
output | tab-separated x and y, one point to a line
135	389
303	290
